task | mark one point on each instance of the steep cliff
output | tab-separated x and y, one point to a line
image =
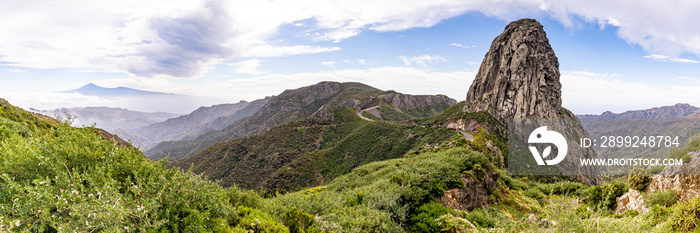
519	76
519	81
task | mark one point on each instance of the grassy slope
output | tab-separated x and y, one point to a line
286	107
54	177
303	154
57	178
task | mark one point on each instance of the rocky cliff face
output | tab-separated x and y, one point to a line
408	102
519	76
683	180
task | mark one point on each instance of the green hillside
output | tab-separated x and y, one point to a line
288	106
298	104
55	178
311	152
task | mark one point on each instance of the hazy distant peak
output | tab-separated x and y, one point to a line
673	111
95	90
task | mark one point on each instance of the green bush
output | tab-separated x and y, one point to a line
478	217
593	195
566	188
356	199
611	191
605	196
685	216
510	182
663	198
257	221
297	221
423	220
454	224
242	197
638	181
534	193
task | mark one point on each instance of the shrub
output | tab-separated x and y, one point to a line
478	217
534	193
257	221
663	198
453	224
566	188
356	199
510	182
605	196
685	216
611	191
593	195
242	197
639	181
423	220
296	220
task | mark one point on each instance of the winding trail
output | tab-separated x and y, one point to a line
359	113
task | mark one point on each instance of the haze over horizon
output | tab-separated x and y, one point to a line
614	56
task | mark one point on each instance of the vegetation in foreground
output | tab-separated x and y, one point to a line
55	178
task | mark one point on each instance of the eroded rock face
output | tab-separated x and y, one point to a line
519	76
475	192
632	200
408	102
683	180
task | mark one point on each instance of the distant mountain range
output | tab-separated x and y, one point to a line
191	125
144	101
94	90
110	119
300	103
682	120
674	111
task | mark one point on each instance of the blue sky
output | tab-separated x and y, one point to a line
613	55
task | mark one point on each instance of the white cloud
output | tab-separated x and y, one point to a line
409	80
45	101
328	63
184	38
458	45
422	60
143	83
282	51
362	62
689	79
249	66
15	70
588	92
347	61
671	59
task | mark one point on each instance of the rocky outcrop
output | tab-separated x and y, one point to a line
324	115
632	200
683	180
519	76
408	102
322	90
478	184
519	79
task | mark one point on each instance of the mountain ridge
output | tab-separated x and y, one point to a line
671	111
291	104
93	89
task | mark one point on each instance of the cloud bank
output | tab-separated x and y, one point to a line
184	38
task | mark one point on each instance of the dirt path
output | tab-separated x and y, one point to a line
359	113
